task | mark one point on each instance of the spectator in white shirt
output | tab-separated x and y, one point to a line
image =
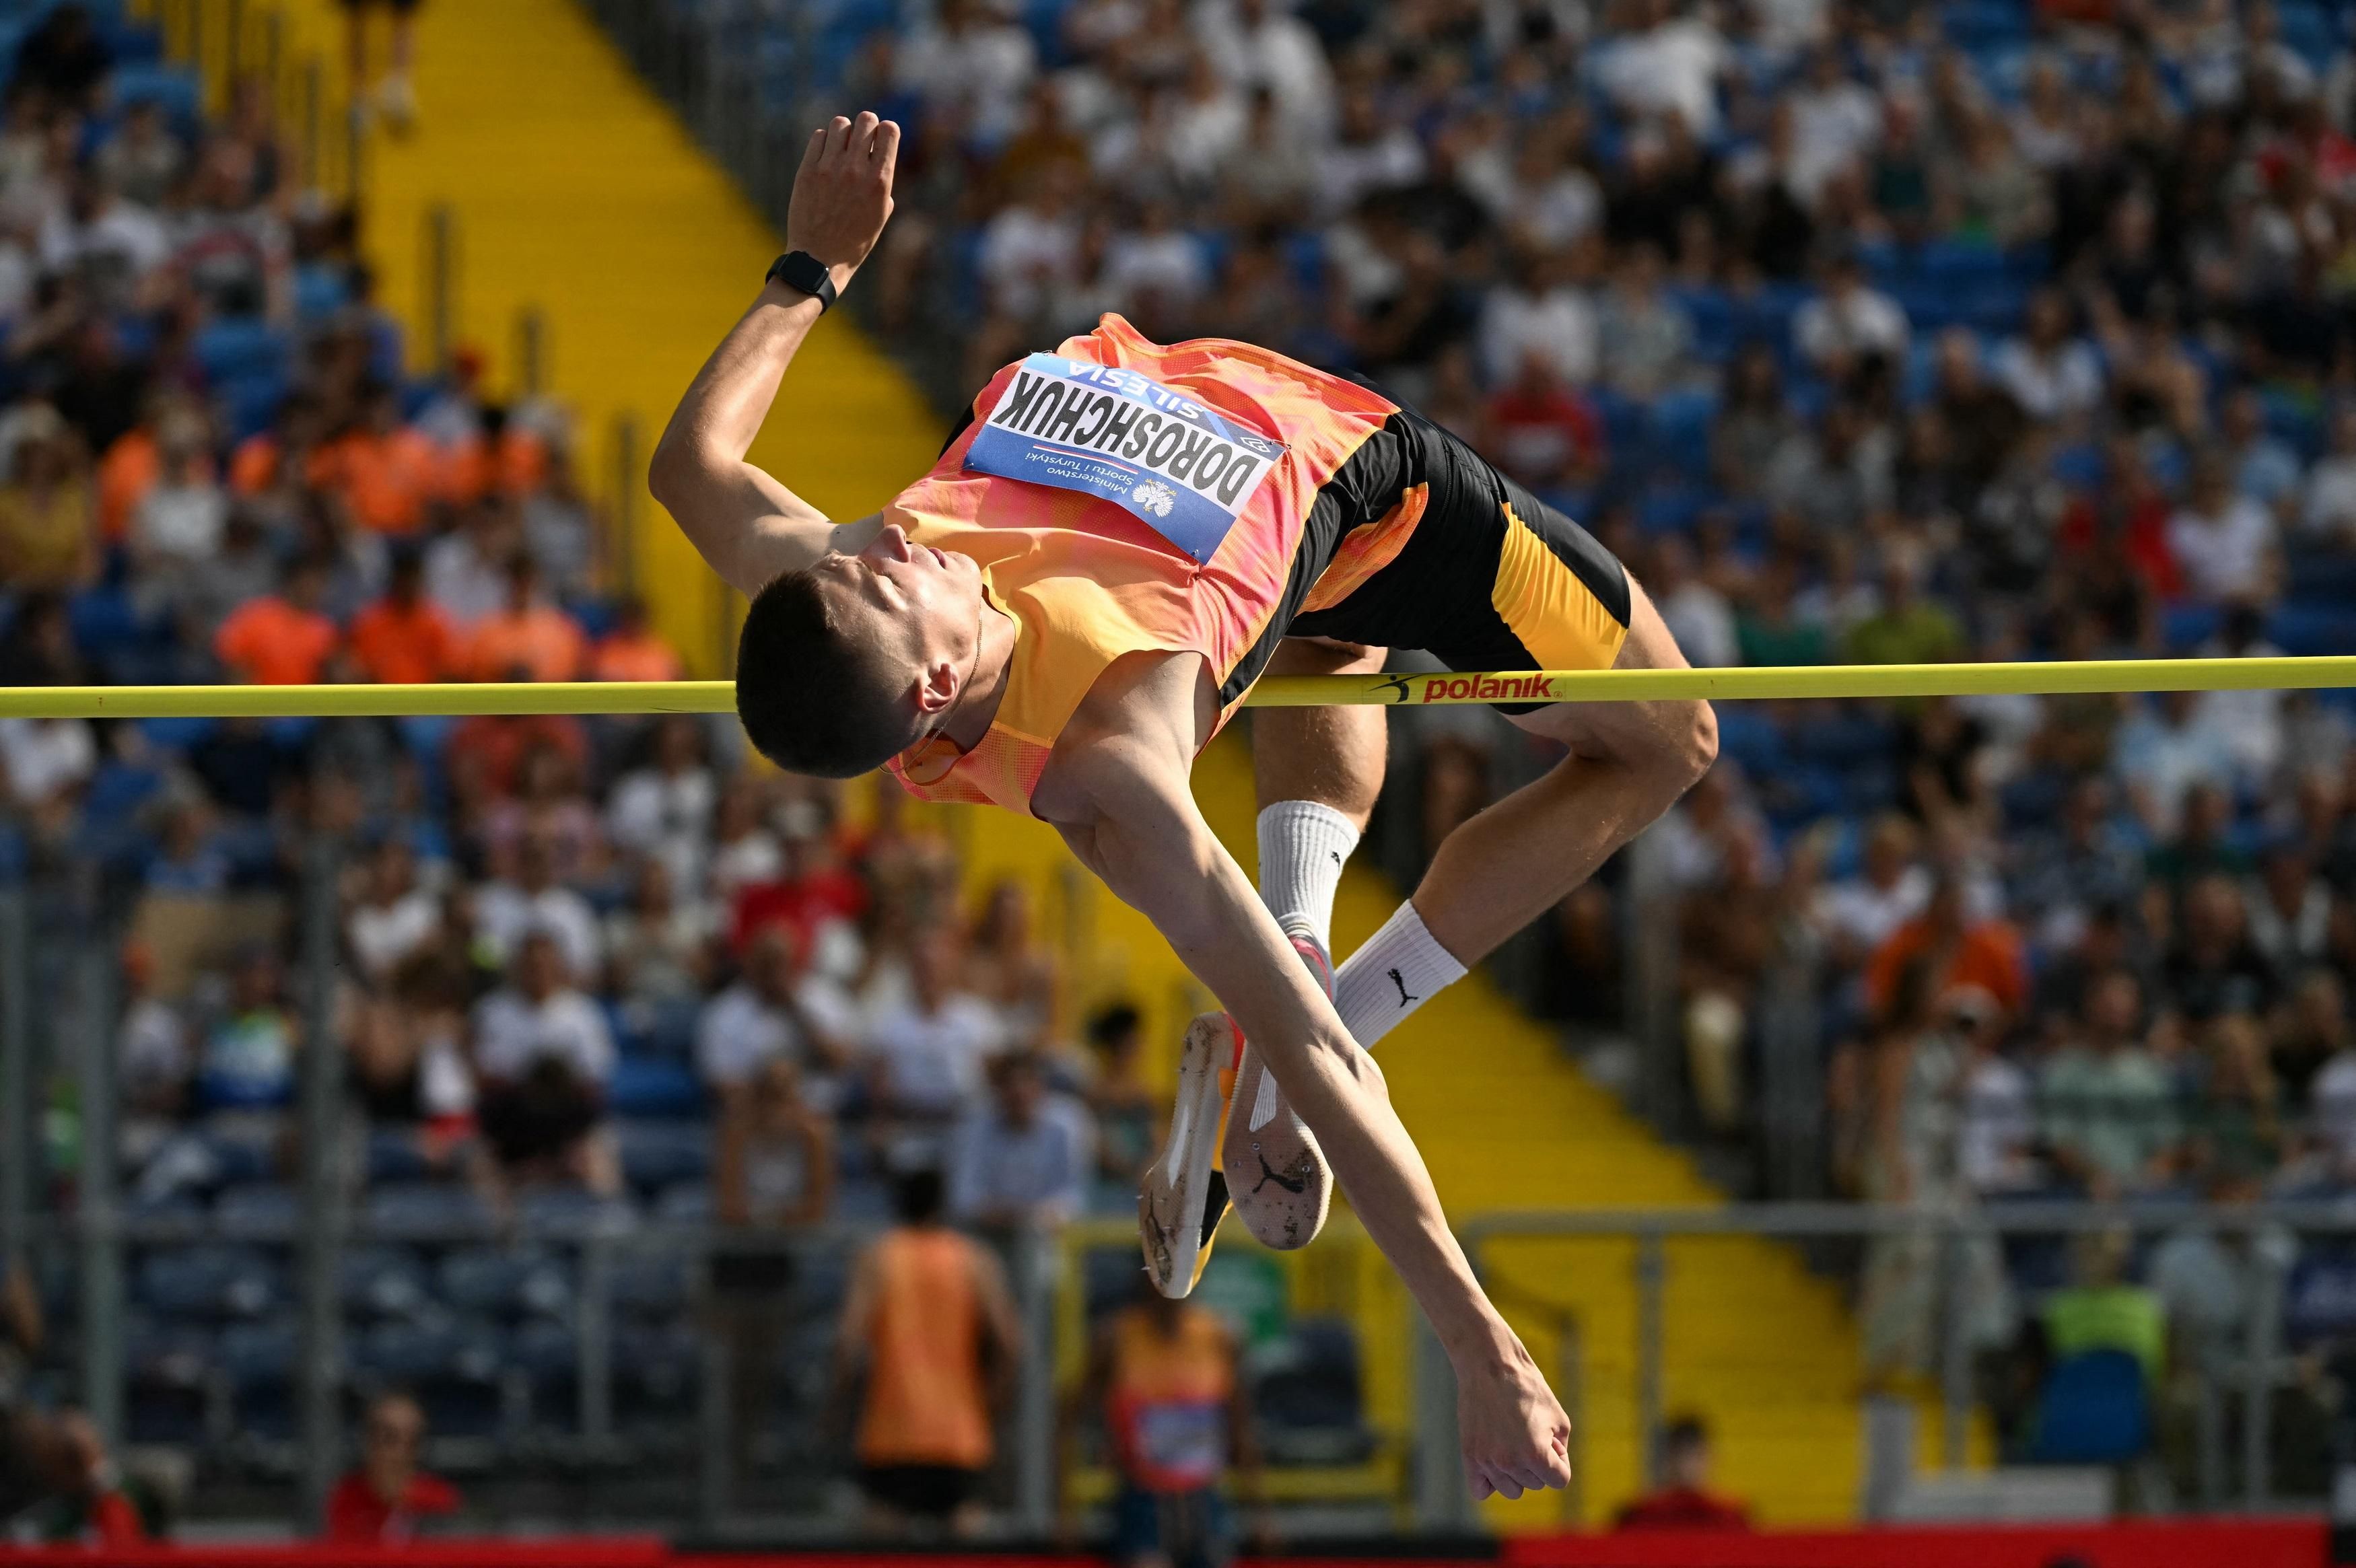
2222	541
393	917
1858	913
1848	323
536	902
2051	374
968	59
665	809
925	1054
1667	64
1834	120
46	761
1157	267
2329	510
763	1016
545	1057
1255	44
1023	1156
1373	152
1031	251
1540	312
2334	1098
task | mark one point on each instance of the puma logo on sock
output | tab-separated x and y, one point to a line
1337	856
1405	1000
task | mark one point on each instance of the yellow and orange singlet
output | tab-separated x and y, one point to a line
1088	580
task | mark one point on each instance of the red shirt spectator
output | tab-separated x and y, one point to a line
816	888
1684	1501
280	639
486	750
385	1498
404	638
1545	433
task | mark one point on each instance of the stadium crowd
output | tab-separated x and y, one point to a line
1873	333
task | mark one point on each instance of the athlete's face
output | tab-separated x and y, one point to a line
923	603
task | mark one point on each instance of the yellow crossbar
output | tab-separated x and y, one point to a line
1278	691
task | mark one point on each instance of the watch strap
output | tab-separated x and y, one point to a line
800	270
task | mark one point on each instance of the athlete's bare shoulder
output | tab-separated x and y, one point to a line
1141	722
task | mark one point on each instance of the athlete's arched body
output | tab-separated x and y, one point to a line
1063	612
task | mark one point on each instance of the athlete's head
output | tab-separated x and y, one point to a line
847	662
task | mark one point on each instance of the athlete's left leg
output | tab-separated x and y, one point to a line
1629	763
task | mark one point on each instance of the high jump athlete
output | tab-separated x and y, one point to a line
1117	543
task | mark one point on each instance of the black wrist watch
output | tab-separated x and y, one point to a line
800	270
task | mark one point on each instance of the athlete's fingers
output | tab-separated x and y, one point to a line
863	133
887	148
838	136
1476	1481
816	148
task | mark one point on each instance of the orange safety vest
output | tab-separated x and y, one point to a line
1089	576
925	1397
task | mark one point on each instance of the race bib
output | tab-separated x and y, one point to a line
1110	433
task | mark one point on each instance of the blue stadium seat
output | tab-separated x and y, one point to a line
1309	1405
382	1282
656	1370
393	1156
2094	1410
687	1203
175	87
569	1212
208	1280
653	1282
505	1283
653	1086
426	1210
268	1211
656	1154
257	1362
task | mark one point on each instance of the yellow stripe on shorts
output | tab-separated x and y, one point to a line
1544	604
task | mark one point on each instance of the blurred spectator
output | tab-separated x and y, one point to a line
1642	336
1121	1100
47	529
1684	1499
1962	951
1848	323
389	1498
403	638
2107	1104
931	1326
1025	1157
536	902
774	1172
665	809
393	917
545	1055
2050	374
282	639
658	946
59	1486
1906	628
1165	1377
1008	966
926	1056
2222	539
525	638
246	1065
763	1017
630	650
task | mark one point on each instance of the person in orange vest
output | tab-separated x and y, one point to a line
931	1326
633	650
1177	1419
1109	553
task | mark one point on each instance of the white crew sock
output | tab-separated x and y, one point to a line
1401	967
1303	845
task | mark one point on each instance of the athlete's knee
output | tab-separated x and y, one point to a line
1696	742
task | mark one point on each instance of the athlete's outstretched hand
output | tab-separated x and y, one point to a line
1514	1435
842	193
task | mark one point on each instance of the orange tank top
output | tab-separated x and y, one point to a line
1166	1411
925	1400
1169	491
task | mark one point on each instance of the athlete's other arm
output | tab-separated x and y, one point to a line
747	526
1120	799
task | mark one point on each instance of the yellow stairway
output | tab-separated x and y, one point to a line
576	191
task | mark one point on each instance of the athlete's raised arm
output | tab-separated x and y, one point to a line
749	527
1122	802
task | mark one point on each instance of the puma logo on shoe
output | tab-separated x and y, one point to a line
1295	1185
1405	999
